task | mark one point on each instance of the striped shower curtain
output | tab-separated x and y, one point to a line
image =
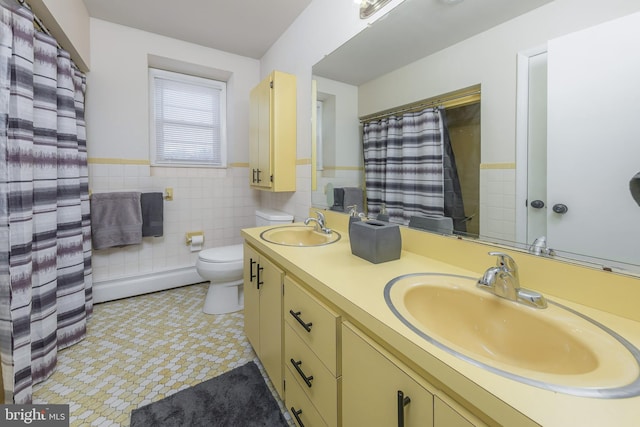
403	165
45	246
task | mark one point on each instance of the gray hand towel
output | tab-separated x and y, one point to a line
152	214
353	196
116	219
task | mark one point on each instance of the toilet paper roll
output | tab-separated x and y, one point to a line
196	243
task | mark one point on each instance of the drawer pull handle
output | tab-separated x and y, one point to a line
296	415
306	379
296	315
402	402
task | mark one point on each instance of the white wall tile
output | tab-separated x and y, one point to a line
218	202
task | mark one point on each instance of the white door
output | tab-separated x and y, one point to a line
537	148
594	141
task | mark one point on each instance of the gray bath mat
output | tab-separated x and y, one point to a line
239	397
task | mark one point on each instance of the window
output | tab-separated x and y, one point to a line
188	120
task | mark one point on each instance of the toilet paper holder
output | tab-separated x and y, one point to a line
191	234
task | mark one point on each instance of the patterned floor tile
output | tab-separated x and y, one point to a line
139	350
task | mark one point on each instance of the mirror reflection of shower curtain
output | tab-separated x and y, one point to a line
404	160
453	204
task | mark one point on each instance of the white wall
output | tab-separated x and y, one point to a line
68	21
216	201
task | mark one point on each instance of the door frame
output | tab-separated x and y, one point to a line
522	137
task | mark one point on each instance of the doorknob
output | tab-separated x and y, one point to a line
538	204
559	208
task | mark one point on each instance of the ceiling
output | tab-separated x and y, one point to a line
413	30
242	27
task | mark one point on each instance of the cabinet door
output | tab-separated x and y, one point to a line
271	321
272	133
263	282
446	416
283	132
260	135
251	297
371	383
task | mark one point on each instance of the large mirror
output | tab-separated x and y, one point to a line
425	48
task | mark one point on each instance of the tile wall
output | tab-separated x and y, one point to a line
497	202
216	201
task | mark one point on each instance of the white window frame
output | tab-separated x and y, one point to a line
156	160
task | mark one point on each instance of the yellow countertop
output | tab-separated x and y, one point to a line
355	287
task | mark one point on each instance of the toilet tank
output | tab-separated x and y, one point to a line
266	216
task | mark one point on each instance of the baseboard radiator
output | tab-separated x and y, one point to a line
110	290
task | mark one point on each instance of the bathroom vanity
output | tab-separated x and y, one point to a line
340	357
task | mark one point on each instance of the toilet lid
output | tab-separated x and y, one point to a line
222	254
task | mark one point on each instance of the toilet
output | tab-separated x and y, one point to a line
223	267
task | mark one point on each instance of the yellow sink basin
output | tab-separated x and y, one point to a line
298	235
555	348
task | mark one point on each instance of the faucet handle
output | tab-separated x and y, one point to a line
320	216
506	262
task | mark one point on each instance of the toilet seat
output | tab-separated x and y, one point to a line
222	254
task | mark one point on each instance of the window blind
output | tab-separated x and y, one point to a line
188	120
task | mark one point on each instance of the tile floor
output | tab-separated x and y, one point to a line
142	349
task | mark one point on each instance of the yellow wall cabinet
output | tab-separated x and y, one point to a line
272	134
263	282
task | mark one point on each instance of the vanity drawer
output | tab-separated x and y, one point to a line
302	363
298	404
316	324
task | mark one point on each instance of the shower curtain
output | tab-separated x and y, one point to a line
403	163
45	246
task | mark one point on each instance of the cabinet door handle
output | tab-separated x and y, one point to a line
258	180
402	402
296	315
253	176
296	415
251	274
306	379
260	282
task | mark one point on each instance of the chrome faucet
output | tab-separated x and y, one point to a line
320	223
503	281
539	247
